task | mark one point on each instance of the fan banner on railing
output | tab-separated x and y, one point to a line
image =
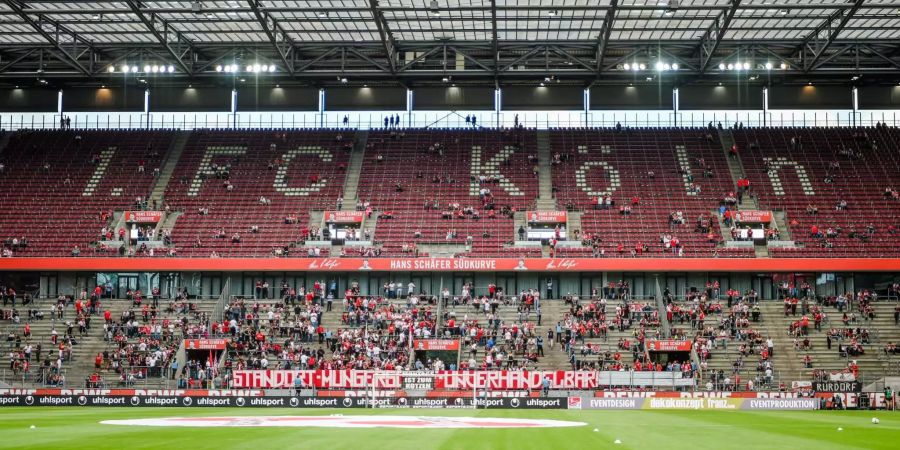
353	379
843	375
546	216
436	344
344	216
669	345
205	344
143	216
753	216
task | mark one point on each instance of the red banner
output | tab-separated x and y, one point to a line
143	216
344	216
546	216
205	344
361	379
141	392
780	265
436	344
669	345
753	216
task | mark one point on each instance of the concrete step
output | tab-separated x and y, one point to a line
871	365
723	229
170	220
781	222
316	219
351	181
573	223
4	139
81	365
442	250
734	164
168	167
546	200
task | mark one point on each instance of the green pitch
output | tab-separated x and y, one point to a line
79	428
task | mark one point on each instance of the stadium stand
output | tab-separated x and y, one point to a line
282	181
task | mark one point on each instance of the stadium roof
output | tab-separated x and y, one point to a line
425	41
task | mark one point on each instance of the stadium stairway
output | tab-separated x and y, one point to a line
82	362
784	361
787	360
780	218
545	200
871	365
887	331
81	366
173	155
551	311
573	222
736	168
4	139
351	182
723	229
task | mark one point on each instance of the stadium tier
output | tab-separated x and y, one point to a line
628	192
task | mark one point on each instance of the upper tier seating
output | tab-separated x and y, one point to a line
56	184
61	181
859	163
617	163
448	175
294	171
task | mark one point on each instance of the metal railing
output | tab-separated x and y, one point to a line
136	376
221	304
373	120
663	316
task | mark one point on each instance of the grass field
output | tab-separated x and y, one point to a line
77	428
